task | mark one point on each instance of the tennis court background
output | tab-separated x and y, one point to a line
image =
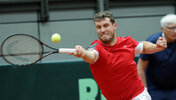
76	27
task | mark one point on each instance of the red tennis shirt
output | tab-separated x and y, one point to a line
115	70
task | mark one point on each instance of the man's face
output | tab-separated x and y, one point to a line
106	30
170	32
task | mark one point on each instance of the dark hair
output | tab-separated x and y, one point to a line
104	14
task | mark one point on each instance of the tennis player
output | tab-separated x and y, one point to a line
111	60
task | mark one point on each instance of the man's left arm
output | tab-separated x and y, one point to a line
149	48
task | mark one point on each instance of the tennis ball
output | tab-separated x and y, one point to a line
55	38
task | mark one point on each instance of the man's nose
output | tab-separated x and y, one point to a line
174	30
103	29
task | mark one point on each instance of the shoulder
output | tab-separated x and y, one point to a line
95	41
128	40
93	45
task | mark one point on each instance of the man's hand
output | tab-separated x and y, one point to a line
161	43
79	51
86	55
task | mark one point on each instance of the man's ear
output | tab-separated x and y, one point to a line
162	29
115	25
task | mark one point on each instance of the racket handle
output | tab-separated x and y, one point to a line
66	50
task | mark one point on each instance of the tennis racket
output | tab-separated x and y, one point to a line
24	50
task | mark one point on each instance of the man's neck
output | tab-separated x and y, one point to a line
112	43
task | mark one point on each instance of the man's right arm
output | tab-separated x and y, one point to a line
89	56
141	67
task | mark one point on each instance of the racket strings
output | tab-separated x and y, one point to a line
21	50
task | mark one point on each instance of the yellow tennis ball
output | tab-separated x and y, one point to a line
55	38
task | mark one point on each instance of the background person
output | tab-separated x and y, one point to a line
158	70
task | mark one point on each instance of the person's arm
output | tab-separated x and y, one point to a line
149	48
89	56
141	67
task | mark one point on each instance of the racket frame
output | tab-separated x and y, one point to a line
41	55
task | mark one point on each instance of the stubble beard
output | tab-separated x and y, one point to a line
108	40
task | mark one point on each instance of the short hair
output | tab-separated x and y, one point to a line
169	18
104	14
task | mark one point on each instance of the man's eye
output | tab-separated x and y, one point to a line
106	25
98	27
171	27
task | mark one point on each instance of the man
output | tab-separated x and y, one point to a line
158	70
111	60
